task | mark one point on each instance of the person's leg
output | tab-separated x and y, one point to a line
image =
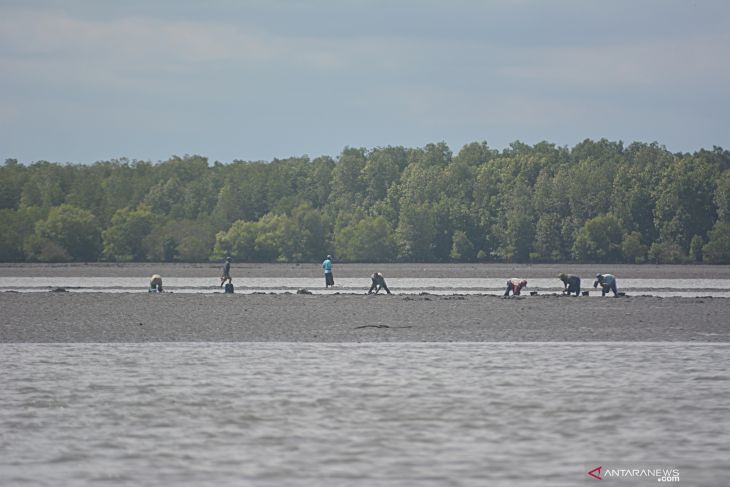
604	290
385	286
509	288
613	288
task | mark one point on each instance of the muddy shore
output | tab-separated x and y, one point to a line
142	317
242	270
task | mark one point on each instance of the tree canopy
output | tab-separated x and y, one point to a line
598	201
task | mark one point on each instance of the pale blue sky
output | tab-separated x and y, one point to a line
85	80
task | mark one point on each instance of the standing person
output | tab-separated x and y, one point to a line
378	283
571	283
515	285
607	282
329	280
155	283
226	275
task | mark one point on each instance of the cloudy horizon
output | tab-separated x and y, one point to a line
85	81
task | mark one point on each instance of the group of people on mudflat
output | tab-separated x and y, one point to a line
377	280
571	284
514	285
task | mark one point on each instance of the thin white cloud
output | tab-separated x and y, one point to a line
700	61
50	42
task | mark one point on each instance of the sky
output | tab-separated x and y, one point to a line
90	80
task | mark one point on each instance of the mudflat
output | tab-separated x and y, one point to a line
314	270
142	317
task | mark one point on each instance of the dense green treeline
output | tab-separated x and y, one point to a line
599	201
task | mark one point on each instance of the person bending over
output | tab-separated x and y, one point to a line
378	283
571	283
155	284
607	282
515	285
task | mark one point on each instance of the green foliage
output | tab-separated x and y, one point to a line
548	238
717	250
16	227
722	197
415	233
69	233
666	252
685	205
462	249
124	239
597	201
600	240
367	240
179	240
695	248
634	251
302	236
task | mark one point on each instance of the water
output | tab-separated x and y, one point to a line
274	414
653	287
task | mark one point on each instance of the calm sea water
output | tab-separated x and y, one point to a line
653	287
278	414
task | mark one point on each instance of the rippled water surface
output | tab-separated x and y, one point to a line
363	415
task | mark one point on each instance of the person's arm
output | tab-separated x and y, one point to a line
372	286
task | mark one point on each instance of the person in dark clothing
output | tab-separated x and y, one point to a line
571	283
515	285
378	283
607	282
226	275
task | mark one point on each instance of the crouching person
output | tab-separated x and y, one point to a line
155	284
571	283
515	285
607	282
378	283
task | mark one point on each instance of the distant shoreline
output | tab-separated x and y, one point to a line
476	270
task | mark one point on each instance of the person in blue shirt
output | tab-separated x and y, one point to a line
607	282
329	280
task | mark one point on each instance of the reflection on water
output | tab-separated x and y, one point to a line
653	287
361	415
